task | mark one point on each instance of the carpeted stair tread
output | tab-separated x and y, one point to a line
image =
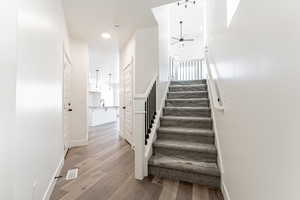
186	146
188	108
183	118
188	82
194	87
184	165
188	92
191	85
187	111
190	102
186	121
191	99
186	131
204	108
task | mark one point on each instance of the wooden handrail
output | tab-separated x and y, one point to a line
214	87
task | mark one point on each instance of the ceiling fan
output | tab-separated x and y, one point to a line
185	2
181	39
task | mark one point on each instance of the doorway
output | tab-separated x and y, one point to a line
67	101
128	102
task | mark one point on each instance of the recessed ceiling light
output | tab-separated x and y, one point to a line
106	36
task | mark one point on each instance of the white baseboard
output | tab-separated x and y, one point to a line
78	143
217	143
224	191
53	180
217	140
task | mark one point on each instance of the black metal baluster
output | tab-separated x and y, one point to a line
150	111
146	123
154	99
152	106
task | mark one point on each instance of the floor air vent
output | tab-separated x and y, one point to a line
72	174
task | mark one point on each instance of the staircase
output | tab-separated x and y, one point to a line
184	149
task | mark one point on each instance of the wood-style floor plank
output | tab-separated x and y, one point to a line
106	172
169	191
185	191
200	192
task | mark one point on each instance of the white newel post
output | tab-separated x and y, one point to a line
139	136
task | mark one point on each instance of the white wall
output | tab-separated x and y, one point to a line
38	143
146	59
162	15
258	65
79	92
192	18
8	24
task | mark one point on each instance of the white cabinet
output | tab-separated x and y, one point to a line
100	115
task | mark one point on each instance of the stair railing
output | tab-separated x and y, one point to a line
150	111
186	70
145	114
212	79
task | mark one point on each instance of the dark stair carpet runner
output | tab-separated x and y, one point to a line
185	149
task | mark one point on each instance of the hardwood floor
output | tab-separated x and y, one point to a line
106	168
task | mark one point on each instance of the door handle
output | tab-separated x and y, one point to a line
124	107
70	110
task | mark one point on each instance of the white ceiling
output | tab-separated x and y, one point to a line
87	19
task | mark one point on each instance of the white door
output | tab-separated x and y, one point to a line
128	104
67	102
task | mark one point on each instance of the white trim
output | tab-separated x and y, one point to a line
138	130
215	105
52	182
128	65
213	87
127	136
140	112
66	54
140	96
217	141
78	143
66	151
224	191
66	61
153	135
139	141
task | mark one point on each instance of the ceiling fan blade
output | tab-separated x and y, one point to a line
175	38
188	40
174	42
